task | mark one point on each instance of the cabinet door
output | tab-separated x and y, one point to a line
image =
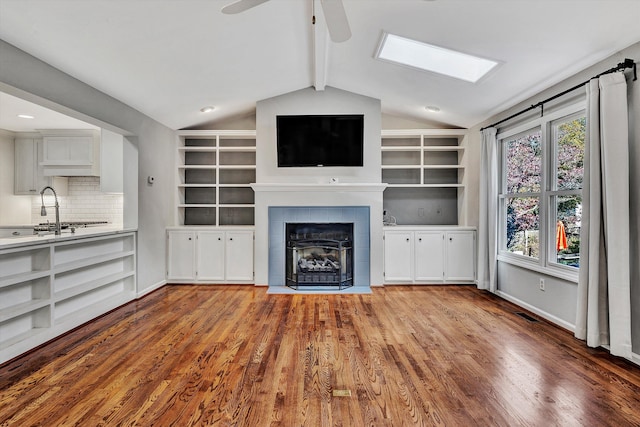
25	172
68	150
429	258
239	256
398	255
181	255
111	161
210	255
461	256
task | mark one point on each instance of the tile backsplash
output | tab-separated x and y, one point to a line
84	202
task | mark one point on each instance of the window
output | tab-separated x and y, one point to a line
565	192
523	181
540	194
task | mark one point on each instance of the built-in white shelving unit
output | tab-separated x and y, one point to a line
48	289
215	170
423	158
423	164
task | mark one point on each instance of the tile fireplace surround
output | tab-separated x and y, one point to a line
277	204
357	215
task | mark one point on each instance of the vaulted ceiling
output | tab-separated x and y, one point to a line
169	58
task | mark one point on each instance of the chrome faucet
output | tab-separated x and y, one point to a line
43	209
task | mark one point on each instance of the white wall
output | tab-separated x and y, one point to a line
310	101
14	210
150	208
522	285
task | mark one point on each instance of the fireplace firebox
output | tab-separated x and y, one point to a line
319	255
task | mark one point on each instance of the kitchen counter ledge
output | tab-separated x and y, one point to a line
80	233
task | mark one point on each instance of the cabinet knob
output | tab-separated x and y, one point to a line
420	239
219	238
450	239
407	239
230	238
189	238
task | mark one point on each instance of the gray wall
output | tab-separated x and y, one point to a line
522	284
150	208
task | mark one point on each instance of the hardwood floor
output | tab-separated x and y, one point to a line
233	355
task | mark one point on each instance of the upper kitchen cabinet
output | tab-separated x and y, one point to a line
112	157
29	178
71	153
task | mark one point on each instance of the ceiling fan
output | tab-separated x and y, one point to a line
334	14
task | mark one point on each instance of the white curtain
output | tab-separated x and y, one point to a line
487	230
604	294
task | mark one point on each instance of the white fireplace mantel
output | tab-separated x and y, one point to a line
310	187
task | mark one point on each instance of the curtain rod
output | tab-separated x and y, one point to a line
628	63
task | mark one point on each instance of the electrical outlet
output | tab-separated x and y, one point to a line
542	284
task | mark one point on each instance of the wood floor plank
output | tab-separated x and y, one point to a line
233	355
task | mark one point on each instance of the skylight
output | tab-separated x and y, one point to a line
433	58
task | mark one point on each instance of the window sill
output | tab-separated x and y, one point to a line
560	273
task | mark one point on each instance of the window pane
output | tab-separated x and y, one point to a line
523	226
569	217
570	154
524	163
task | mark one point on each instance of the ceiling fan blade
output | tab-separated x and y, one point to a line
241	6
336	18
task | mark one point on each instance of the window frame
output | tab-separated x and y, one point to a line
546	262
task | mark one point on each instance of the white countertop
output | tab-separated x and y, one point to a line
80	233
428	227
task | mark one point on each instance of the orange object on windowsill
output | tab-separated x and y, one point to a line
561	237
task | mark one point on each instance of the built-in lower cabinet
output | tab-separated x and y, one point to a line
429	255
48	289
210	255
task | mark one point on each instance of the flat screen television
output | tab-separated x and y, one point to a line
320	140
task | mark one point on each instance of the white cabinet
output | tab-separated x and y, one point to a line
29	178
181	255
239	256
112	157
71	153
398	256
460	255
429	255
210	255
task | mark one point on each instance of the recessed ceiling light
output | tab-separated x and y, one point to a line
432	109
433	58
207	109
25	116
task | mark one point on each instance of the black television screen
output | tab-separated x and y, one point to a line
320	140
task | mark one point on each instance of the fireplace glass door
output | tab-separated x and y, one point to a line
319	255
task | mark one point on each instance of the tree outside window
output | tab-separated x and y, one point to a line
523	184
541	193
568	141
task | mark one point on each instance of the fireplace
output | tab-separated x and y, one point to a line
319	255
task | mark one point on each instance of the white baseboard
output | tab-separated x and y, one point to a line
635	358
550	317
151	288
